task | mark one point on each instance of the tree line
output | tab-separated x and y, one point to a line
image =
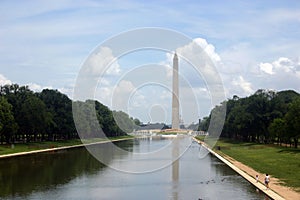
27	116
264	117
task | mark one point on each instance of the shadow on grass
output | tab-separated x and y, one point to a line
291	150
241	143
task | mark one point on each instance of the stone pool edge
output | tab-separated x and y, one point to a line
60	148
270	193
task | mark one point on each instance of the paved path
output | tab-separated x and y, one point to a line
249	178
59	148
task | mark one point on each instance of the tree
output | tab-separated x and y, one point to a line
60	107
48	115
35	118
204	123
16	95
277	129
250	118
137	122
292	119
91	115
106	119
8	126
124	122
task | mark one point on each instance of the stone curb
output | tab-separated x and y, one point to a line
270	193
59	148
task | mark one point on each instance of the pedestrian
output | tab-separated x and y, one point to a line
256	178
267	181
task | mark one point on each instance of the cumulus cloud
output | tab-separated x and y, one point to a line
121	94
210	82
32	86
208	48
100	68
68	90
286	65
192	49
102	62
282	65
198	76
203	58
266	67
168	64
35	87
4	80
242	86
283	73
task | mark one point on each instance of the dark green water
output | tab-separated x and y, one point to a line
76	174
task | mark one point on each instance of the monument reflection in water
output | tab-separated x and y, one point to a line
175	167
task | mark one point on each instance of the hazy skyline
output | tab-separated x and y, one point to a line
254	44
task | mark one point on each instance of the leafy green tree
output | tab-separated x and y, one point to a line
106	119
258	106
35	118
137	122
48	115
86	123
216	120
204	123
292	119
250	118
60	107
16	95
8	126
89	125
124	122
277	130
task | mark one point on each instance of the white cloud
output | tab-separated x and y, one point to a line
266	67
67	91
4	80
242	86
208	48
35	87
203	58
281	74
101	63
121	95
168	63
198	79
281	65
32	86
285	65
100	68
192	50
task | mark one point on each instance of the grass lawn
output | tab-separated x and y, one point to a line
281	162
16	148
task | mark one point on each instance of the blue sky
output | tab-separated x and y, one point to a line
44	43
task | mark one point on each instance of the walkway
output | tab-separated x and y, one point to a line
59	148
249	178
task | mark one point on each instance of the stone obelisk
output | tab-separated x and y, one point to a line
175	95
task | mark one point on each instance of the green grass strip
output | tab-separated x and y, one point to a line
17	148
281	162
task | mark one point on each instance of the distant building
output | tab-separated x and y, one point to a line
155	126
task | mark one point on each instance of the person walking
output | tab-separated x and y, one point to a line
256	178
267	181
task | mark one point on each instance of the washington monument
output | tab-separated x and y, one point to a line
175	95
